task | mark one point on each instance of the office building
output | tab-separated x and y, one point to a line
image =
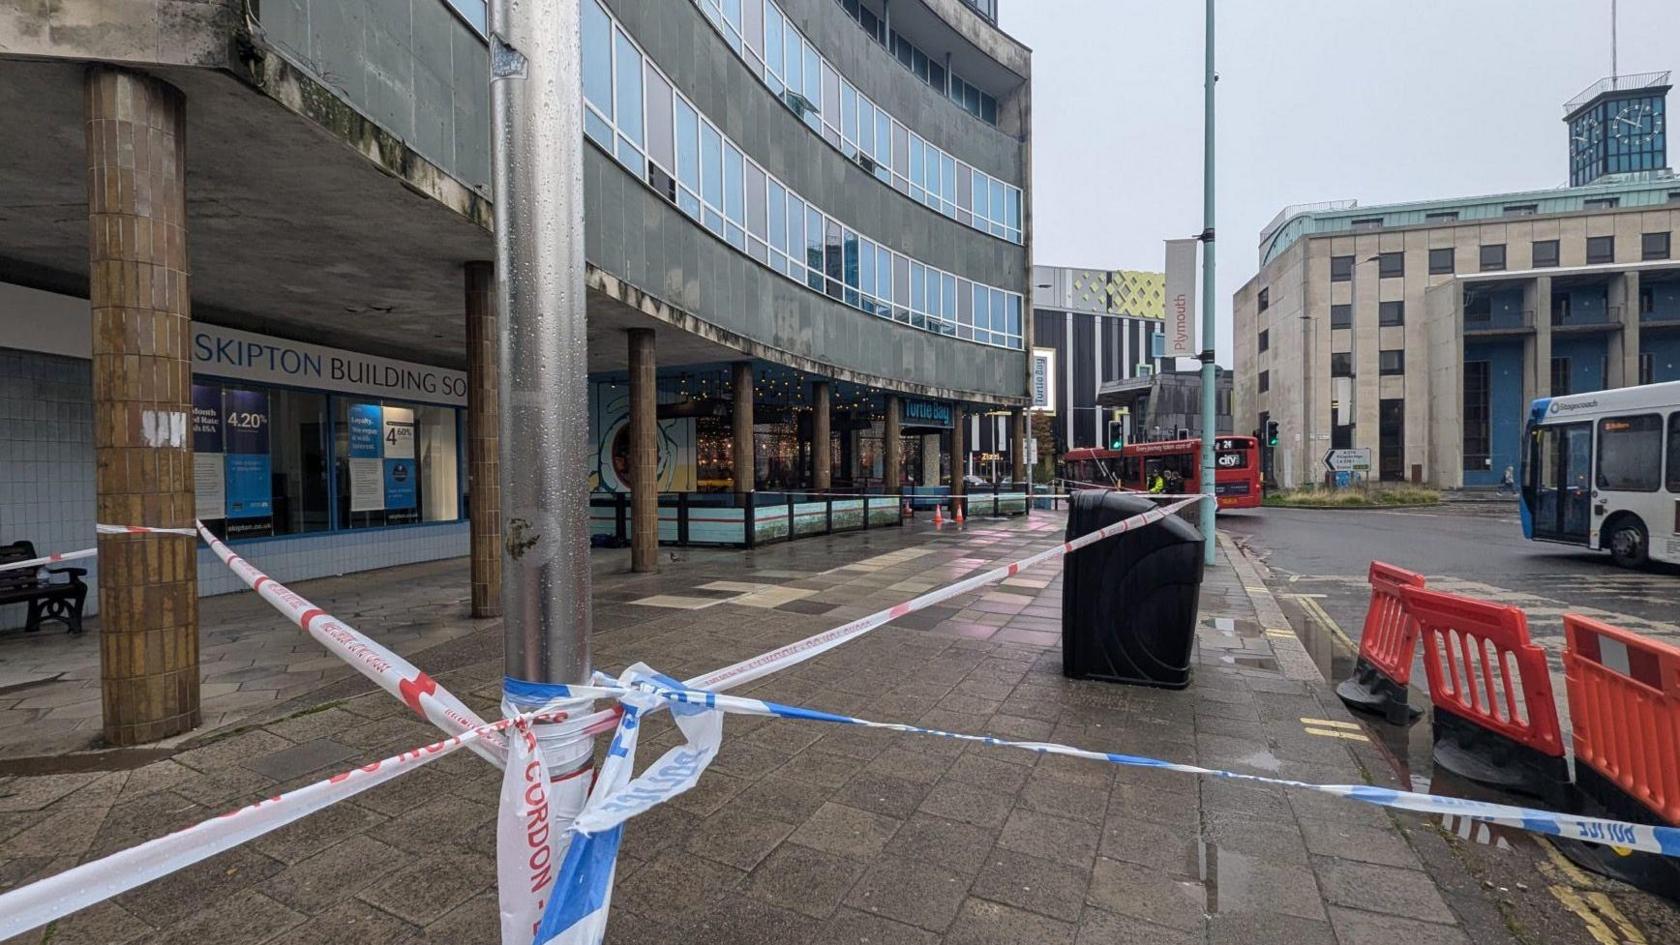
244	274
1422	331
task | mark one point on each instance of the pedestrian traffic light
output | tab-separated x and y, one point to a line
1116	434
1271	433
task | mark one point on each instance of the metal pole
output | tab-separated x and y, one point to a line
537	155
1209	425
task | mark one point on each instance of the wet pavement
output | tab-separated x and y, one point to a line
802	832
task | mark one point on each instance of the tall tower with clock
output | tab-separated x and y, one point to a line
1618	125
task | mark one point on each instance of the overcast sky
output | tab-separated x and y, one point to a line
1373	100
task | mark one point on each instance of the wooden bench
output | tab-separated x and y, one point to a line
48	599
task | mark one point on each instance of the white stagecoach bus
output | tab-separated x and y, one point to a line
1603	470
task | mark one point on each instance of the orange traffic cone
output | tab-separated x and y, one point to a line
961	501
938	516
908	512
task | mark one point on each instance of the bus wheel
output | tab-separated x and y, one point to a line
1629	542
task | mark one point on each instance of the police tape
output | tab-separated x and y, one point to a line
91	552
1647	838
81	886
390	672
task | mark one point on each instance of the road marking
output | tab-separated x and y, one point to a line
1306	596
1594	908
1331	723
1317	613
1570	871
1333	733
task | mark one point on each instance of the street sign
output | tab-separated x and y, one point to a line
1032	451
1358	460
1181	298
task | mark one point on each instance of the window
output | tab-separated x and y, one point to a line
1367	223
1265	381
396	463
1341	316
268	446
1478	436
1341	268
1341	364
1653	246
1520	210
1601	203
1391	313
1440	261
1630	453
1674	452
1601	249
1545	254
1441	216
1266	299
596	42
1391	439
1391	265
1392	361
1560	377
1265	339
1493	258
628	100
1647	368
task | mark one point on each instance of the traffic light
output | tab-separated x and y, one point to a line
1271	433
1116	434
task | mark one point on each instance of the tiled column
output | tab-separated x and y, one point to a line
1018	444
484	486
644	453
959	448
892	463
142	398
745	469
822	444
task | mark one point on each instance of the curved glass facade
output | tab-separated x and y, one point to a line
785	61
635	113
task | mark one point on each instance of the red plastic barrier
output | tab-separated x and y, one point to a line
1478	657
1391	634
1624	704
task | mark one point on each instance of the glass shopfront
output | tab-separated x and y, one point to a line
277	459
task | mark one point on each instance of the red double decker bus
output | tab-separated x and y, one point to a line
1236	480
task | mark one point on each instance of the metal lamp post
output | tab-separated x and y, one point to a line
1210	505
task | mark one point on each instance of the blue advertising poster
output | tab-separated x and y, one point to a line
366	426
207	418
245	432
399	483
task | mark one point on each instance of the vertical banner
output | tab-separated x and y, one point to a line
1181	299
245	433
1044	380
401	472
209	471
367	477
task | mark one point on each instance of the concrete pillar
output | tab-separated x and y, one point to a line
1623	347
822	443
484	419
644	453
892	464
1018	444
140	297
745	469
959	448
1537	348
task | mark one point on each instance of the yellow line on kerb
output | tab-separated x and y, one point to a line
1317	612
1593	908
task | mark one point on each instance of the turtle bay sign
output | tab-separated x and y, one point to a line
1358	460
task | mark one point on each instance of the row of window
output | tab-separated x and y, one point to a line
1510	210
927	68
635	113
814	90
1392	361
1544	253
1389	314
1630	453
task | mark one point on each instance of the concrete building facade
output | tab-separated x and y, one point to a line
788	210
1422	331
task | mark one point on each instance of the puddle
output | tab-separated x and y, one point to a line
1257	662
29	684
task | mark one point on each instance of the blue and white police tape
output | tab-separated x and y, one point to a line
1643	837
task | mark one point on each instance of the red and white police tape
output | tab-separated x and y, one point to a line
391	672
90	552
